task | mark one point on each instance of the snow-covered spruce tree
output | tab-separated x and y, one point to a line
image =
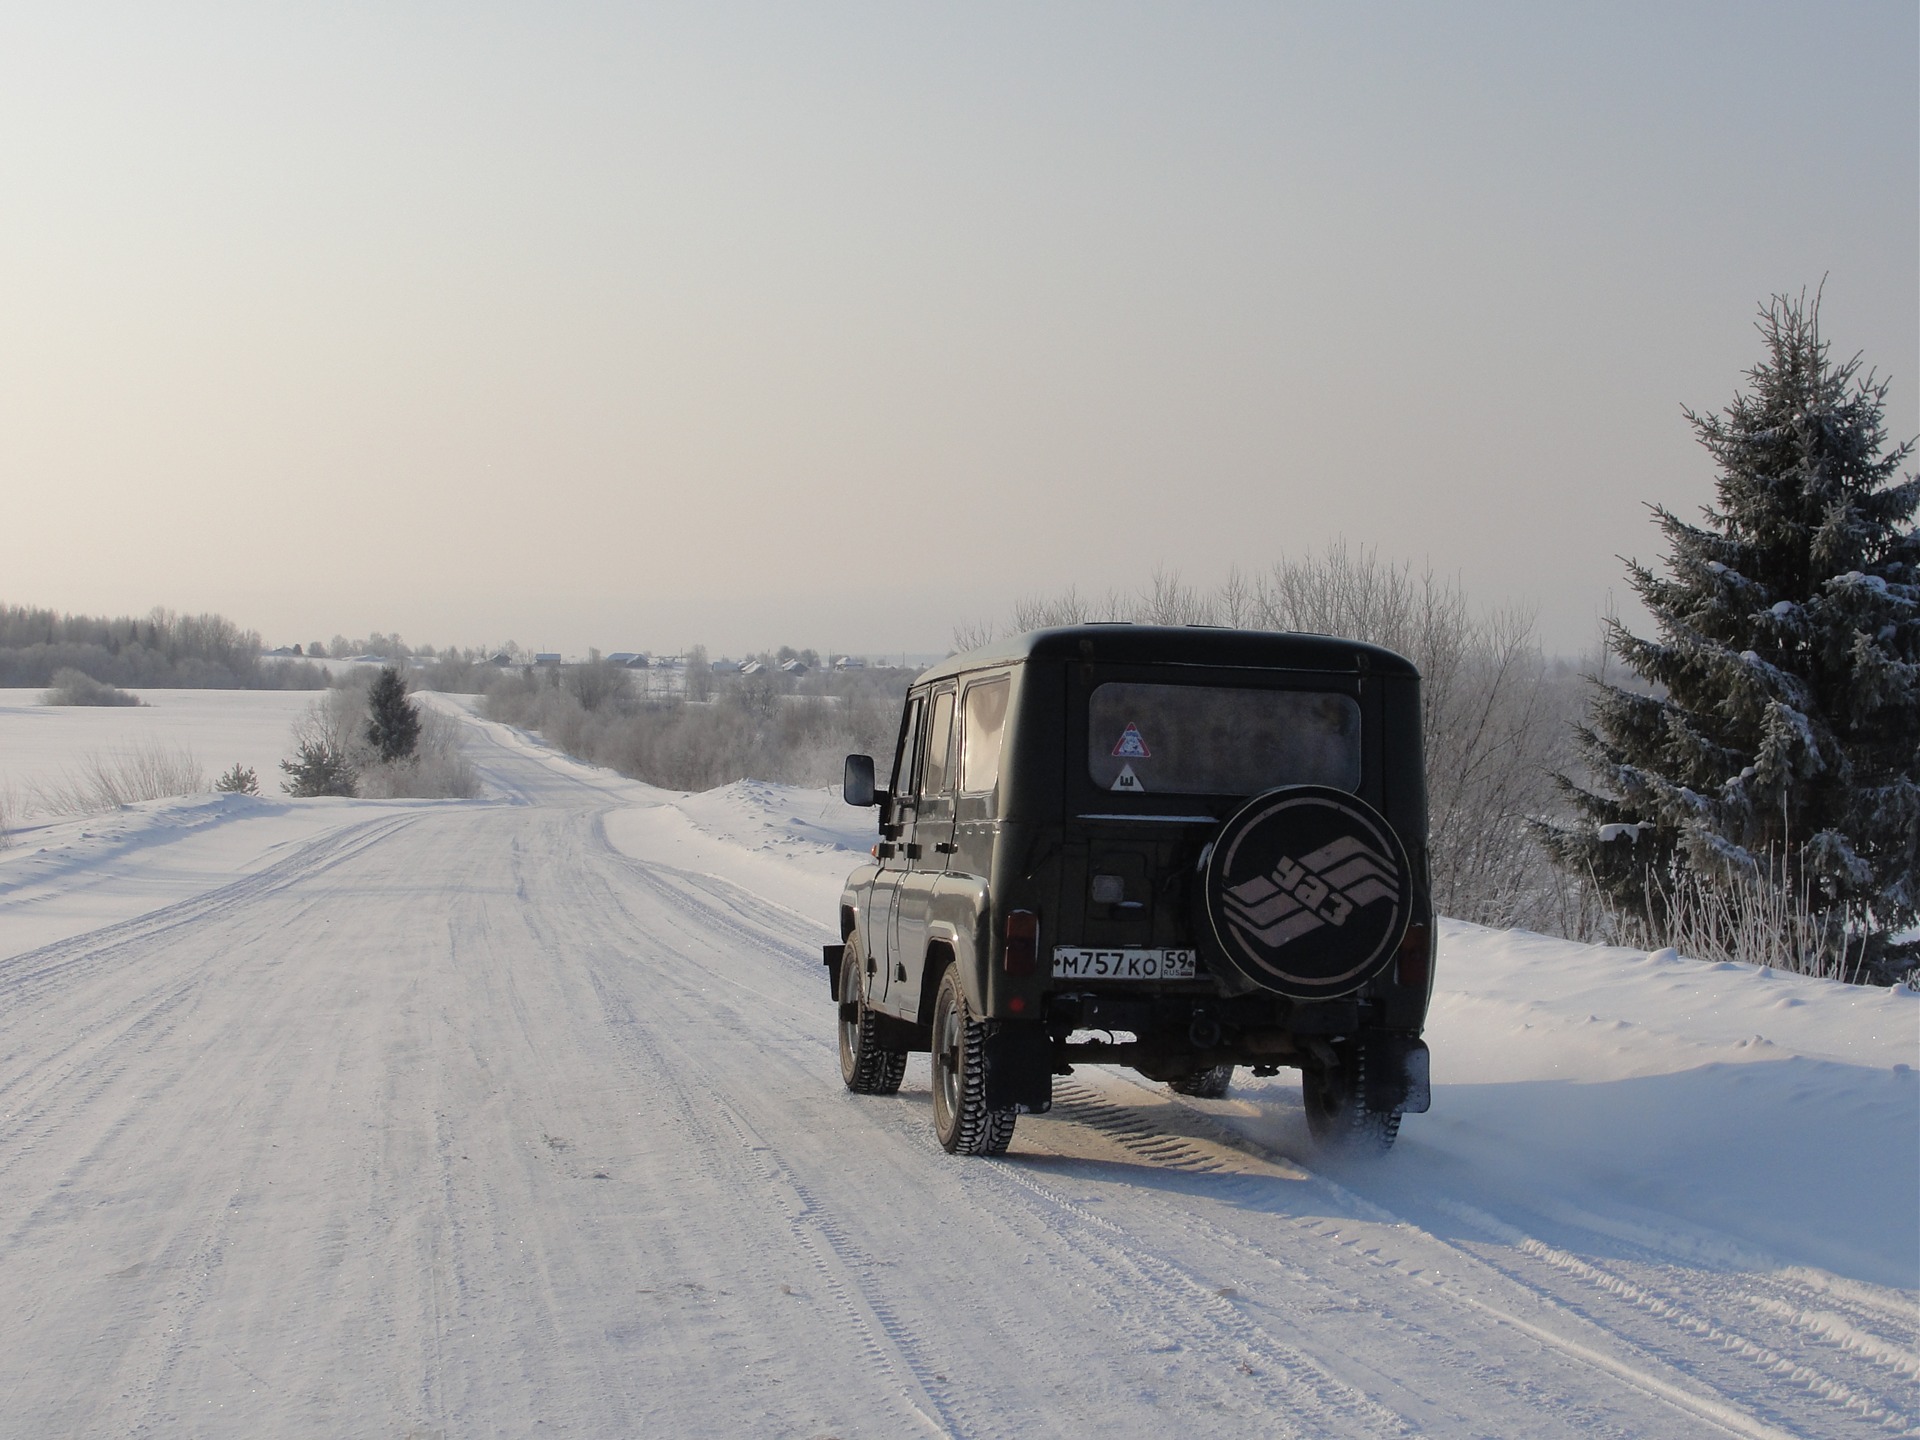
318	767
1781	742
240	780
393	721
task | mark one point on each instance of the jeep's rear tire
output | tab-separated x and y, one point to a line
1337	1115
864	1065
961	1119
1203	1084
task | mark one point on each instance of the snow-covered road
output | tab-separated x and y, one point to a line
523	1117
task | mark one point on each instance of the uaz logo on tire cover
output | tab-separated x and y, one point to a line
1307	890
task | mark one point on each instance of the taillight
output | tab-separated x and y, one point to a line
1410	966
1023	942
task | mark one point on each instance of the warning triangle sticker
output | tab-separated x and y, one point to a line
1129	782
1131	746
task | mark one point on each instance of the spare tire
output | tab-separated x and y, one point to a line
1308	891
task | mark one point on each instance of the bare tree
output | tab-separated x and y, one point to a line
595	682
974	635
1037	612
699	672
1170	601
1233	601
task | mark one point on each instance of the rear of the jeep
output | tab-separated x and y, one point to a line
1205	849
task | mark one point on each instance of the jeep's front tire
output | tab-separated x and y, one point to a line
1337	1114
961	1119
864	1065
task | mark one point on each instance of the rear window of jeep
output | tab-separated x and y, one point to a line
1213	740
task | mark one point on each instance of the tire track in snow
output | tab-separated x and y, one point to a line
890	1343
1295	1393
151	1346
564	918
1840	1331
725	908
1210	1324
1872	1323
1863	1323
24	976
1671	1313
849	1271
1816	1310
95	1054
742	1165
1349	1293
1317	1411
1721	1409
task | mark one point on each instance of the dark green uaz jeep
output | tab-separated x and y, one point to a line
1177	849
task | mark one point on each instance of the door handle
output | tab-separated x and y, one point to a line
945	847
913	851
883	851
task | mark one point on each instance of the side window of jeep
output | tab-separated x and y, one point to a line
938	779
906	757
983	721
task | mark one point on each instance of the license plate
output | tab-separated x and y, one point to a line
1075	962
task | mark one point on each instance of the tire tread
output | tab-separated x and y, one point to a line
872	1071
977	1130
1337	1117
1209	1084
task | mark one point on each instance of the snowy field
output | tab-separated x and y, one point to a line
522	1115
41	745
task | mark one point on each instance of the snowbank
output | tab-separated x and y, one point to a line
1708	1102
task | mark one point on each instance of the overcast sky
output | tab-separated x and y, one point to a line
832	325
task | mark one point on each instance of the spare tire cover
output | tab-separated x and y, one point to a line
1308	891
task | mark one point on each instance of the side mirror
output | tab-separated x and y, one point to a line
856	785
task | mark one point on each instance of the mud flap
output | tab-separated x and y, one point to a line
1020	1067
1397	1073
830	956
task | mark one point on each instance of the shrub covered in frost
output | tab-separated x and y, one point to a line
74	687
795	732
107	780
